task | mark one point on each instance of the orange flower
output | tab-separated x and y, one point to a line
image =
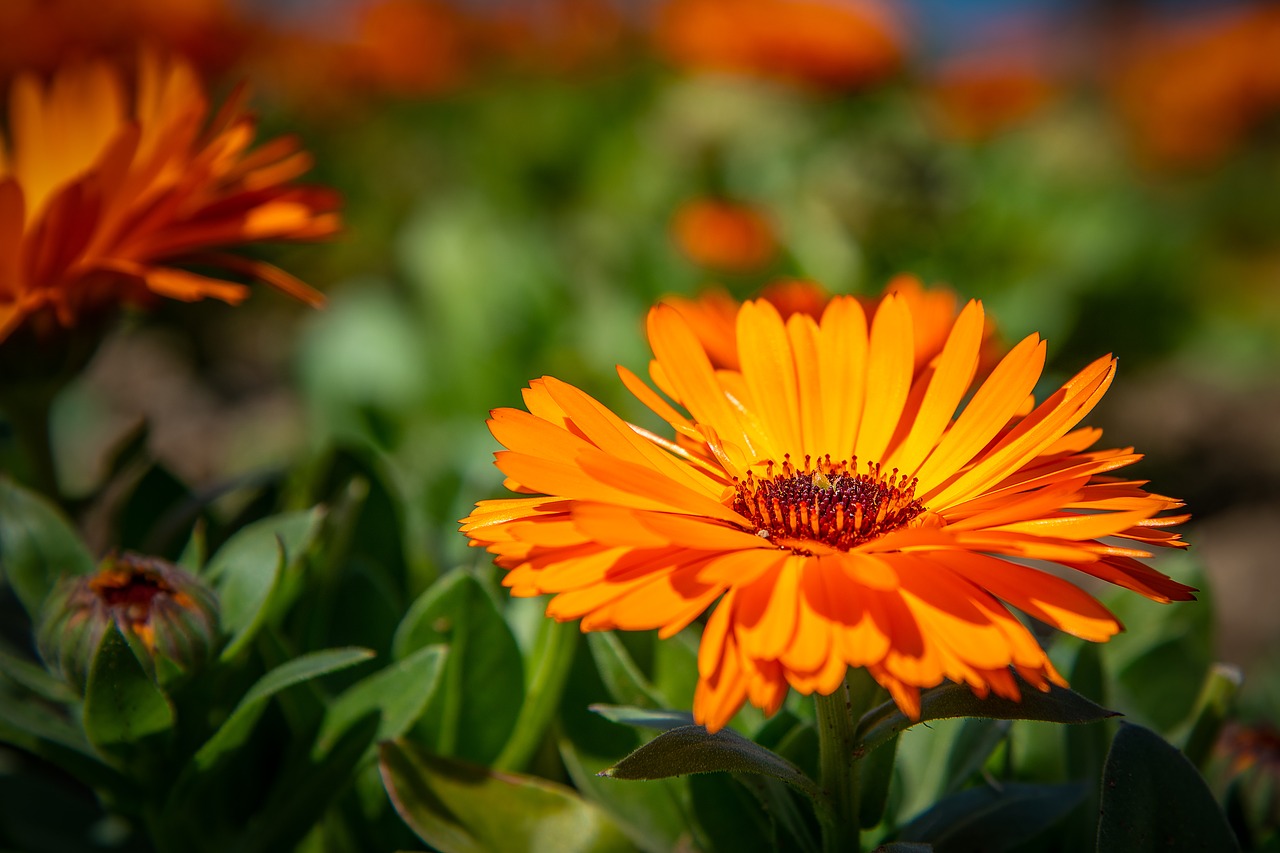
724	235
1190	91
823	43
979	96
100	201
713	317
832	502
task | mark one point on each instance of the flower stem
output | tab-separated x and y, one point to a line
837	717
28	415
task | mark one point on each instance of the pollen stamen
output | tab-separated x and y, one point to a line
827	502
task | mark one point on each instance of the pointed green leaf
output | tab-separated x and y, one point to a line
459	807
645	718
397	694
1058	705
692	749
122	705
37	545
240	724
993	819
1154	799
475	711
246	570
1217	698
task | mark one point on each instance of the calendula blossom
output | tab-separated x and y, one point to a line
835	506
109	195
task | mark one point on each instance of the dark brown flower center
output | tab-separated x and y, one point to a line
129	588
827	502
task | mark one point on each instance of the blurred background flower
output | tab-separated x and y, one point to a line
514	179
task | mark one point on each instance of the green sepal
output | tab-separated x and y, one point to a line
122	704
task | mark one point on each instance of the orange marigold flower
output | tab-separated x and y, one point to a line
833	503
1192	89
979	96
101	200
825	43
724	235
713	317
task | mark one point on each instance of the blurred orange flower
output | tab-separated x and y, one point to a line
1191	90
979	96
102	200
724	235
41	35
713	317
824	43
553	35
832	502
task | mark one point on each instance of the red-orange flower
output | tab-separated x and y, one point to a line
833	503
978	96
823	43
103	196
1191	90
713	317
724	235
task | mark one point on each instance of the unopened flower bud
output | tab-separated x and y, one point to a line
168	616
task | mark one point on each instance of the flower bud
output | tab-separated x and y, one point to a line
168	616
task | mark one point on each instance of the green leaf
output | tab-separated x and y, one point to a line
656	816
246	570
458	807
300	797
876	772
692	749
644	718
730	816
122	705
240	724
978	738
1217	698
475	711
947	700
1154	799
32	677
624	680
397	694
993	819
37	546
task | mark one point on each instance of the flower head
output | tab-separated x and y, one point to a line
836	507
169	618
822	43
106	196
713	316
724	235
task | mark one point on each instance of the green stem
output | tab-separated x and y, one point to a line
837	717
554	656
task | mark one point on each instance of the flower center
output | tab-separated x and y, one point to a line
829	502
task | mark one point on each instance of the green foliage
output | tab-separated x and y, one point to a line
37	545
1153	799
458	807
